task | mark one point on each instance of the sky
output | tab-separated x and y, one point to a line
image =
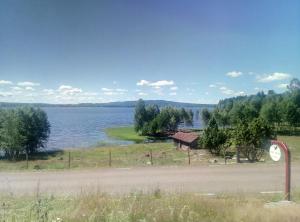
201	51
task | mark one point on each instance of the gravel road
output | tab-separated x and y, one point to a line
202	179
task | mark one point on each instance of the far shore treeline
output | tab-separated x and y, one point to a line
23	131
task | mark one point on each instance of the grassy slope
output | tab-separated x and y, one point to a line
125	133
122	156
150	207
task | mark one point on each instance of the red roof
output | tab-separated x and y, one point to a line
185	137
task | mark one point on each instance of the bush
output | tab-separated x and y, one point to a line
252	137
23	130
215	139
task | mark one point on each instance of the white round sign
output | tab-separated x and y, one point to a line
275	152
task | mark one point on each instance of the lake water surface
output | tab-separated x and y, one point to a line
76	127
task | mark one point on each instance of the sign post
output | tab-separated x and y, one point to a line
275	154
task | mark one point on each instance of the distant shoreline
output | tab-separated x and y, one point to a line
129	104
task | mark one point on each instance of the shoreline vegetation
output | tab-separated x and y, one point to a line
153	206
125	133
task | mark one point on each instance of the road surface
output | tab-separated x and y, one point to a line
203	179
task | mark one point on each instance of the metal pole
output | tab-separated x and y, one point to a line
287	156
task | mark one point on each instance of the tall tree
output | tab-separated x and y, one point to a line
140	115
206	116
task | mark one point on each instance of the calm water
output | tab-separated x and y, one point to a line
73	127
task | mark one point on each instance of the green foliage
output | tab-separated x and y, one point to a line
215	139
206	116
23	130
151	120
271	112
252	136
280	110
139	115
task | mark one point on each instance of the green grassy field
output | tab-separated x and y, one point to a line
121	156
125	133
293	143
151	207
126	156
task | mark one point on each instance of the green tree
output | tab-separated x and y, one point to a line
11	138
271	112
292	114
206	116
294	85
213	138
140	116
23	130
252	136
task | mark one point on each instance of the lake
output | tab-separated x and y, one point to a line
77	127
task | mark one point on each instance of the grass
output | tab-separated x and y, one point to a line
126	156
293	143
121	156
151	207
125	133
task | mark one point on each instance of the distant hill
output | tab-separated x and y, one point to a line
160	103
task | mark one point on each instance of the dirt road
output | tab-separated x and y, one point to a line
203	179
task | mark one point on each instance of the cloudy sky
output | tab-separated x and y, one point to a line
71	51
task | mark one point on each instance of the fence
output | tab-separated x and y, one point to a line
109	158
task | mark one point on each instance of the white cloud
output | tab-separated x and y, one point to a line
157	84
142	82
174	88
5	82
49	92
5	94
112	92
68	90
27	83
241	93
282	86
161	83
173	94
16	88
212	86
234	74
226	91
142	94
276	76
29	88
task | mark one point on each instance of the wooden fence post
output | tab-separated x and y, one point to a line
189	156
109	158
27	164
151	158
69	160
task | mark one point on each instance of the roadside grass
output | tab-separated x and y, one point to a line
293	143
121	156
125	133
150	207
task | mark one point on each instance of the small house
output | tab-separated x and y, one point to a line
185	140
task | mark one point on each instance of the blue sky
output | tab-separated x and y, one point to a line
64	51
